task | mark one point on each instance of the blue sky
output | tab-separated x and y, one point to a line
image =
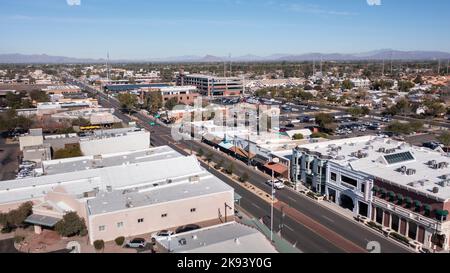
160	28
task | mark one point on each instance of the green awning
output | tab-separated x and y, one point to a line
409	200
427	207
400	196
392	194
417	203
375	188
440	212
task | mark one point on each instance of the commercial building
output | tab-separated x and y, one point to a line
95	116
229	237
184	94
213	86
115	141
61	89
400	186
123	194
33	138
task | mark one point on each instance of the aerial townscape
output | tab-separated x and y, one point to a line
120	148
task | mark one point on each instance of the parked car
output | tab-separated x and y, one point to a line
161	234
187	228
136	243
277	184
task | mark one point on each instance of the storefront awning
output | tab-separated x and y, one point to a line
277	168
440	212
41	220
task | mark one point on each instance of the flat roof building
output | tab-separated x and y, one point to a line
213	86
229	237
125	194
399	186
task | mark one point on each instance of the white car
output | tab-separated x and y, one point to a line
162	234
277	184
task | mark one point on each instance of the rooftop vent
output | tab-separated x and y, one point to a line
411	172
182	242
444	183
435	190
194	237
237	241
194	179
432	162
129	204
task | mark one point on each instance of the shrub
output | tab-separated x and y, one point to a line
18	239
319	135
99	244
244	178
119	240
400	237
230	169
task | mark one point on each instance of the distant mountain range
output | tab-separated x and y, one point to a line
384	54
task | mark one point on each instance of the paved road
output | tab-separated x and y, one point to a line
324	228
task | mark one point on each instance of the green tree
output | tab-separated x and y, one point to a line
325	120
16	217
200	152
81	122
71	225
347	85
209	157
319	135
445	139
244	178
298	137
154	102
39	96
405	86
418	80
230	169
171	103
127	101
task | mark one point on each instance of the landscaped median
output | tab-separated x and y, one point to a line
241	180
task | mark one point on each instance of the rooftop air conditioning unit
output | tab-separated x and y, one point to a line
432	162
403	169
410	172
435	190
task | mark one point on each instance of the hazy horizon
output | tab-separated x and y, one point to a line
163	29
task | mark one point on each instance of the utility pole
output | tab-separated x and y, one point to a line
448	63
439	67
274	160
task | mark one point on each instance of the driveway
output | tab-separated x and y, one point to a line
7	246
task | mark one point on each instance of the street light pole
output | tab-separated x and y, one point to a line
275	161
271	209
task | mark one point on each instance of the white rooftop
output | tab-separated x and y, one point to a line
415	168
225	238
116	177
108	160
178	188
